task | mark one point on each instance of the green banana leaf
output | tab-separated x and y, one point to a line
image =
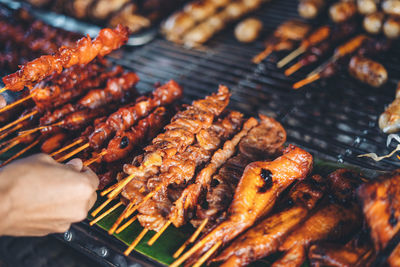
163	249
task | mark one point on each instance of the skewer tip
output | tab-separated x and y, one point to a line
306	81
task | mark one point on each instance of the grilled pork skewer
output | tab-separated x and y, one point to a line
264	238
366	7
84	52
257	191
339	33
381	207
283	38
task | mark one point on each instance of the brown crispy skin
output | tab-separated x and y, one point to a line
331	221
381	206
265	238
255	195
331	254
294	257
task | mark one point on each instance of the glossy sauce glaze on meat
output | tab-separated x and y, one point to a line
256	194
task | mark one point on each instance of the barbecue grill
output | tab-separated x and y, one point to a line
335	119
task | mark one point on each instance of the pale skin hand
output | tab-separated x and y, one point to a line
39	196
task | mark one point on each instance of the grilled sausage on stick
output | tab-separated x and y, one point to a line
317	36
126	117
339	33
84	52
258	189
283	38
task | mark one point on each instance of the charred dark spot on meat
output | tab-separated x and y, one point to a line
392	219
124	142
266	175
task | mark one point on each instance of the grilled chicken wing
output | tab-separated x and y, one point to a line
381	206
258	189
265	238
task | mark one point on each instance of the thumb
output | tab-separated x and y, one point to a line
75	164
3	101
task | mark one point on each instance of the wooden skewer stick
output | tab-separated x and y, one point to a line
121	185
10	131
19	101
191	239
119	220
3	89
297	52
18	120
73	152
20	153
42	127
101	207
265	53
307	80
11	145
105	213
187	254
106	191
157	235
207	254
147	197
77	142
135	242
293	68
17	138
125	225
94	159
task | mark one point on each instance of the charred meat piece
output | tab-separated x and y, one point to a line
381	206
264	238
256	194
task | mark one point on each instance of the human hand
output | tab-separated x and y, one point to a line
40	196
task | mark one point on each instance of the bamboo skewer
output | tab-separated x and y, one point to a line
20	153
297	52
125	225
94	159
187	254
264	54
77	142
108	190
135	242
157	235
293	68
15	103
307	80
207	254
191	239
121	185
42	127
11	145
101	207
74	152
119	220
105	213
18	120
10	131
3	89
